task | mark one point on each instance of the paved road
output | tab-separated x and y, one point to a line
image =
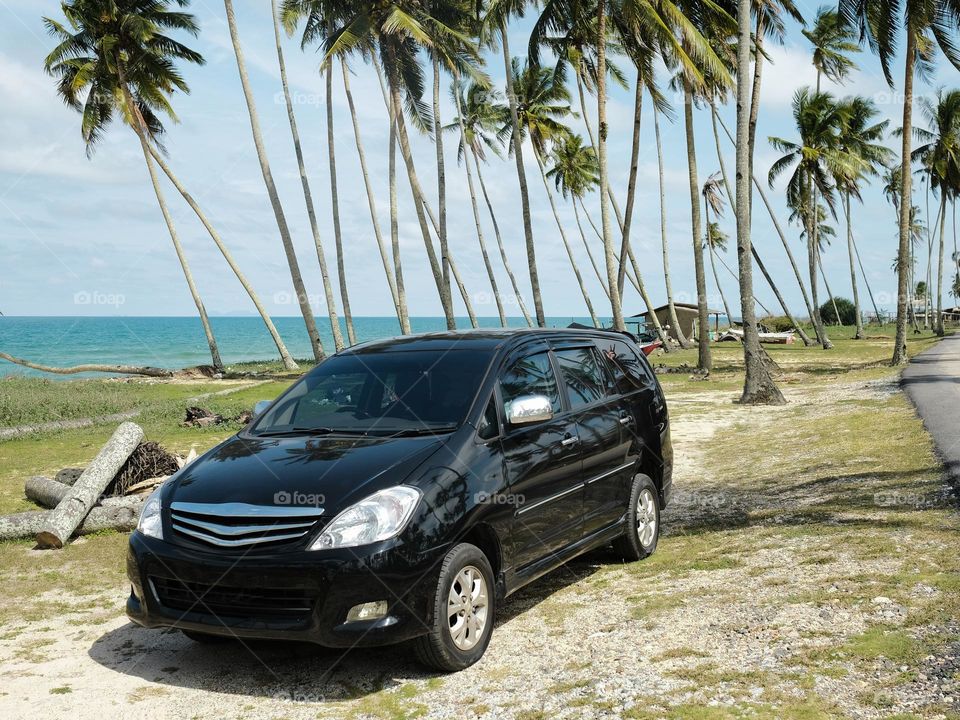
932	380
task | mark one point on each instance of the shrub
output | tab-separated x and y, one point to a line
848	314
778	323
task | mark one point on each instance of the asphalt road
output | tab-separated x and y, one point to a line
932	381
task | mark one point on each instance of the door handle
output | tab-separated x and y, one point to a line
568	441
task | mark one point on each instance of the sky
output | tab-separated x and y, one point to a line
84	236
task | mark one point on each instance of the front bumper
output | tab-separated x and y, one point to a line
295	595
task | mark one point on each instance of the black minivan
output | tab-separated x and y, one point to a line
402	488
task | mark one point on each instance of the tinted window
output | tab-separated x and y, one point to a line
532	375
583	376
630	373
489	425
382	392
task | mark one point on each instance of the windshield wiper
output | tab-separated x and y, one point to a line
322	430
413	432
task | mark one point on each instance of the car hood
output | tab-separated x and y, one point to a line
332	472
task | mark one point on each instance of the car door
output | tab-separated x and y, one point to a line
541	463
604	438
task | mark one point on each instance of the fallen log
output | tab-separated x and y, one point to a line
71	511
44	491
120	369
68	476
119	514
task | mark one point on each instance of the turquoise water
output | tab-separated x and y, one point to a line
177	342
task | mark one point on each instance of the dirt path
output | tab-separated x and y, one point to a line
732	612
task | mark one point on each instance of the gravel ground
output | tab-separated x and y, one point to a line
735	616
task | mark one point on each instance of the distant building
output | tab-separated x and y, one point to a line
687	315
951	316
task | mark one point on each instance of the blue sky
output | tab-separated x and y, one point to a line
85	236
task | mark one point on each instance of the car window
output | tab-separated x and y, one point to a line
583	376
489	425
532	375
630	373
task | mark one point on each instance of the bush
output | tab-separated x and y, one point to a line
848	314
778	323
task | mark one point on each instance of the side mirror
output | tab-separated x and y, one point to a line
260	407
528	409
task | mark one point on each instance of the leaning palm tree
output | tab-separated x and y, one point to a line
940	156
715	238
860	137
816	159
481	115
832	42
880	23
543	102
299	288
290	23
116	58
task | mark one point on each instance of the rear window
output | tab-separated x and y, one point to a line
630	371
583	375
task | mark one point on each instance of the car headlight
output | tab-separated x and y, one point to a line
378	517
150	523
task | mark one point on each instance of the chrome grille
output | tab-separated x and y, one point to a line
239	524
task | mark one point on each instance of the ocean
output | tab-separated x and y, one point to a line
178	342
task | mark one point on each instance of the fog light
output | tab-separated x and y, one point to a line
367	611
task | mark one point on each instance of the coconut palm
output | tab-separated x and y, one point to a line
303	299
482	118
861	138
940	157
116	58
715	239
832	42
816	159
305	183
880	23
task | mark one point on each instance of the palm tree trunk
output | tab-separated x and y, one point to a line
943	227
307	194
866	280
614	280
631	179
566	244
463	293
371	197
705	362
288	362
755	105
521	176
858	335
418	197
586	246
335	207
906	199
394	225
303	298
476	214
441	174
826	285
780	233
664	242
812	264
496	231
758	385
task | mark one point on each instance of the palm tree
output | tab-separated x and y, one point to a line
457	93
860	137
940	156
832	41
303	299
290	23
495	22
817	158
715	238
880	23
117	58
542	101
482	118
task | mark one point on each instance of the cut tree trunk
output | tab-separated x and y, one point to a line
70	513
119	514
121	369
45	491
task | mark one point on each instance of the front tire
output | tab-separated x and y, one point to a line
643	522
463	612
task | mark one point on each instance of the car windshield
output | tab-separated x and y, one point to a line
380	393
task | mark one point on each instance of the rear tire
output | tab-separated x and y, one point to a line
643	522
463	611
206	638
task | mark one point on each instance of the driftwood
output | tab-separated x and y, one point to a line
71	511
114	514
145	485
121	369
45	492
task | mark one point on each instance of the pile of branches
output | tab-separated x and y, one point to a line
148	461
